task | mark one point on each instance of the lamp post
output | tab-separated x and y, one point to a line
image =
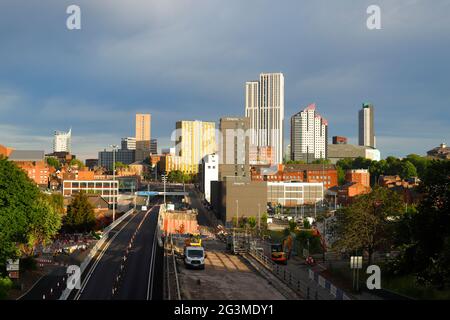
114	147
237	213
259	217
164	179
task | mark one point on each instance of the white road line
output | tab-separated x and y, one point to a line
152	267
99	258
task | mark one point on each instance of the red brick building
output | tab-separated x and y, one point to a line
361	176
317	173
349	191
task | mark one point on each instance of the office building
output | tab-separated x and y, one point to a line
209	171
442	152
153	146
337	152
105	158
234	148
91	163
143	136
33	163
128	143
264	105
238	197
292	194
168	163
310	173
309	135
62	141
260	155
361	176
366	126
194	140
107	189
340	140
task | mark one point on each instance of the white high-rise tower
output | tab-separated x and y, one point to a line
309	135
62	141
366	126
264	105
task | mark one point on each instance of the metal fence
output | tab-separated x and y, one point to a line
304	289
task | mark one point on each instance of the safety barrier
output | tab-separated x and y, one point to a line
303	288
95	248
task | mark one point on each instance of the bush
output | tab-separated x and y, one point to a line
5	285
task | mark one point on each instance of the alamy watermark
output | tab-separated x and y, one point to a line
374	19
73	21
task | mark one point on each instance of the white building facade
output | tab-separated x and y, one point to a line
366	126
209	172
309	135
62	141
291	194
264	105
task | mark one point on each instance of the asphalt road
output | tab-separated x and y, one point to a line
143	272
101	278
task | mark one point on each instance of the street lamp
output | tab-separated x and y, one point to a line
164	179
259	217
237	213
114	147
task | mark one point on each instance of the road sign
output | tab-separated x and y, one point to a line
13	274
12	265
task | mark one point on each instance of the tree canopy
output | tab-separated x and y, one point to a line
26	218
77	163
52	162
80	215
177	176
368	222
425	232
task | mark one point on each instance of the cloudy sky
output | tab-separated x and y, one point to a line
189	59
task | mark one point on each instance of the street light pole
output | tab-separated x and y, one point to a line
164	179
237	213
114	147
259	217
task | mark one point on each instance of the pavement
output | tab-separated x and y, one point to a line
226	277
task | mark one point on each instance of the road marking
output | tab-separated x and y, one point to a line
99	258
152	267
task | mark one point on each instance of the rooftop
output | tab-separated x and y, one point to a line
27	155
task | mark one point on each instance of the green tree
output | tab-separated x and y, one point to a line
120	165
407	170
5	285
77	163
368	223
251	222
56	200
341	175
80	215
52	162
421	164
44	224
292	225
17	196
426	253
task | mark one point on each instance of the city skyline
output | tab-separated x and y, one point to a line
108	82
